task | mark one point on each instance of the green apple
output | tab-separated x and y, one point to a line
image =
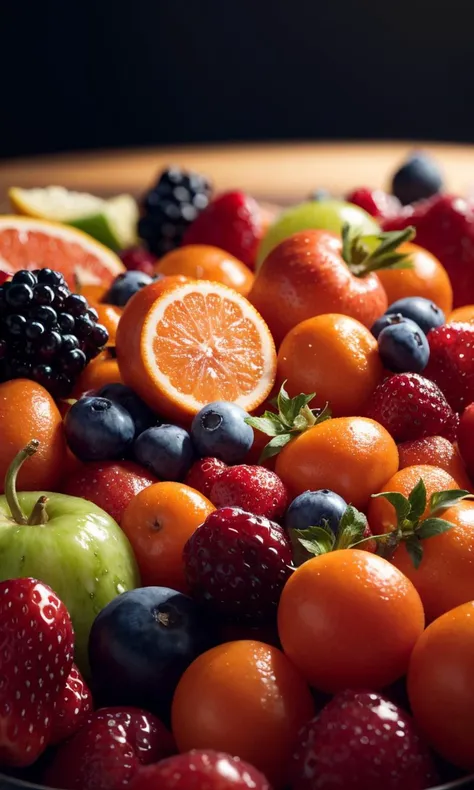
316	214
68	543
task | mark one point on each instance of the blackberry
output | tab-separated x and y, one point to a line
47	333
170	207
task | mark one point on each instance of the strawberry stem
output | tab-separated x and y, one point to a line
365	254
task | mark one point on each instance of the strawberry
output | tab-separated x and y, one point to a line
233	222
204	473
444	226
376	202
199	770
238	563
451	362
252	488
108	749
410	406
37	645
72	707
363	741
138	259
466	438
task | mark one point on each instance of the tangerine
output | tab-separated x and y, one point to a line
109	316
100	371
463	315
203	262
427	278
435	451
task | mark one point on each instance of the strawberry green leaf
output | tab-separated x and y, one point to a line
351	528
444	499
268	423
399	502
431	527
323	414
296	406
311	542
415	550
417	500
275	445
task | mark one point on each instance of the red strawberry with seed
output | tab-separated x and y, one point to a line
410	406
444	226
108	750
204	473
233	222
376	202
362	741
139	260
238	563
197	770
252	488
36	653
466	438
451	362
72	707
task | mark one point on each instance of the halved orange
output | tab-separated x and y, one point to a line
27	243
197	342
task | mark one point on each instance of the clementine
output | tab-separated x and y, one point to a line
427	277
203	262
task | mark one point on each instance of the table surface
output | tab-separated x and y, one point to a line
282	173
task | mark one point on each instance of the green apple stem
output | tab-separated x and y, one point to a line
11	477
38	514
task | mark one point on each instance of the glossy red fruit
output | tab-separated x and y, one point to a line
362	741
139	260
200	770
411	406
252	488
111	485
204	473
445	226
36	653
466	438
108	750
72	707
238	563
376	202
233	221
451	362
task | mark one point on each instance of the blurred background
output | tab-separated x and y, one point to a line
105	74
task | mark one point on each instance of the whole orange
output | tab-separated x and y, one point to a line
464	315
304	276
245	698
440	686
435	451
427	278
158	522
100	371
349	619
109	316
352	456
334	356
381	514
27	411
203	262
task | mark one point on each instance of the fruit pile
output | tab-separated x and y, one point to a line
237	465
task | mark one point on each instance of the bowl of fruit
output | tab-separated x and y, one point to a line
237	516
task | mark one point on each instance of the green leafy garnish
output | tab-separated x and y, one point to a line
364	254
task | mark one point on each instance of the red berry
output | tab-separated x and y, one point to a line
233	222
72	707
110	485
252	488
361	741
36	653
451	362
238	563
199	770
376	202
410	406
466	438
204	473
139	260
445	226
108	750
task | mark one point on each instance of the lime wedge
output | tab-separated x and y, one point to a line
113	222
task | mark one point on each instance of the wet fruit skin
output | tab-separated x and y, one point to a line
352	456
103	370
98	429
427	278
203	262
440	685
334	356
306	276
268	698
435	451
349	619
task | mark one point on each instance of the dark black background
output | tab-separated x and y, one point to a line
100	73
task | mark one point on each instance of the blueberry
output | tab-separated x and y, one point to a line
386	320
313	508
320	194
98	430
220	430
125	286
141	643
141	414
422	311
166	450
418	178
403	347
